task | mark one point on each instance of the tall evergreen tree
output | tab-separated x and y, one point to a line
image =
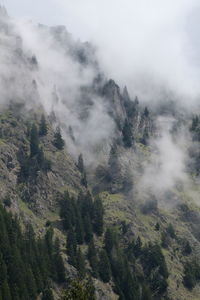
58	261
72	247
88	228
34	141
43	126
80	164
47	294
98	216
6	294
80	263
58	142
92	257
127	134
104	266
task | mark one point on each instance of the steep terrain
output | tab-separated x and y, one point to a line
108	186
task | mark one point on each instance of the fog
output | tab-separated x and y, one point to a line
149	46
166	170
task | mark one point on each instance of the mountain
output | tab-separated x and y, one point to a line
99	191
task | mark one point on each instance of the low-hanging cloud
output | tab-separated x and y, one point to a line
149	45
166	169
39	67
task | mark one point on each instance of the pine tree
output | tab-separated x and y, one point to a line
104	266
3	268
187	248
127	134
79	229
47	294
92	257
84	180
72	247
109	240
138	247
195	121
80	164
79	290
87	228
58	261
31	284
157	226
6	295
171	231
58	140
43	126
146	112
146	293
34	141
80	263
98	216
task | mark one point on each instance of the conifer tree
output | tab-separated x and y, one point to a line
43	126
58	140
58	261
104	267
127	134
98	216
146	112
92	257
80	164
72	247
138	247
87	228
6	295
80	263
47	294
79	229
109	240
34	141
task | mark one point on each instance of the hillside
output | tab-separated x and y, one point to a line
99	191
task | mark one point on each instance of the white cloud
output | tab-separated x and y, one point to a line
140	42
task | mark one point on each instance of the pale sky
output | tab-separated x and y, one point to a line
134	37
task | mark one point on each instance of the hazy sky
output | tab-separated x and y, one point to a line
152	40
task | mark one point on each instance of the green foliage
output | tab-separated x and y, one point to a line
7	201
187	248
79	290
155	267
72	247
58	141
157	226
127	134
170	230
145	137
92	257
36	161
80	164
104	266
34	141
165	241
146	112
110	240
80	265
191	274
195	123
81	167
98	216
47	294
43	126
26	263
150	206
